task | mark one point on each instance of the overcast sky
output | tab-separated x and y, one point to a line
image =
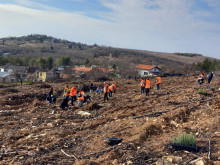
154	25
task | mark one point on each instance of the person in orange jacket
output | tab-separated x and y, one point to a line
147	87
142	84
158	82
81	98
112	89
73	94
67	94
106	91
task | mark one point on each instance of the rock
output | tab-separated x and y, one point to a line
201	161
216	162
173	123
83	113
169	160
49	124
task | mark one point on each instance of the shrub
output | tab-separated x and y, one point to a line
185	139
202	91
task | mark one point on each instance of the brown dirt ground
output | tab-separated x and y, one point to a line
32	132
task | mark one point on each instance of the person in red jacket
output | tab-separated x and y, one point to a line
147	87
73	94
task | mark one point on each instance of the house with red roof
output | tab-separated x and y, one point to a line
147	70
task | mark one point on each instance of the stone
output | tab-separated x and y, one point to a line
173	123
83	113
201	161
49	124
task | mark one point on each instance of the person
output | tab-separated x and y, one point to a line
112	89
201	79
54	97
81	98
158	82
142	85
50	95
210	75
147	87
99	90
67	94
106	91
91	87
73	93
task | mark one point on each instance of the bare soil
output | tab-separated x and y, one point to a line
32	132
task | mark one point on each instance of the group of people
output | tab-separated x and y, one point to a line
73	94
146	85
201	78
108	90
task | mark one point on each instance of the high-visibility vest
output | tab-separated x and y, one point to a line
82	96
148	84
142	83
67	92
159	80
106	89
201	75
111	88
114	86
73	91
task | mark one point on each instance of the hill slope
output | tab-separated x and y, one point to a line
41	45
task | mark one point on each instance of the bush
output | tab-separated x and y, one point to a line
202	91
185	139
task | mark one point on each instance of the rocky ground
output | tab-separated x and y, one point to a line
32	132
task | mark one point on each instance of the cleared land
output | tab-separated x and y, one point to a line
33	132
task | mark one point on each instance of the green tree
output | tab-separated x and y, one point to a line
206	65
42	63
86	61
114	66
33	62
66	61
49	62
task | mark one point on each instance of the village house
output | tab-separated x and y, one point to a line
147	70
11	73
47	75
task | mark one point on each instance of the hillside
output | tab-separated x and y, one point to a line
41	45
32	132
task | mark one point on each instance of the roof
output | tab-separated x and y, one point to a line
82	69
4	74
145	67
32	69
10	66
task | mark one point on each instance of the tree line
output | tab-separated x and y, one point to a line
42	62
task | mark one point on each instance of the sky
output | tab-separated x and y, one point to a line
188	26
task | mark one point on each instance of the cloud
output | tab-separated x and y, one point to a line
160	25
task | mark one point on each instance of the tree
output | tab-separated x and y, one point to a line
43	63
49	62
86	61
206	65
114	66
66	61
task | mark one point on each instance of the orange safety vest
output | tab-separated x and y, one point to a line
202	75
159	80
148	84
67	92
111	88
73	91
114	85
106	89
142	83
82	96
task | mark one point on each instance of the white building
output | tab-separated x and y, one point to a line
147	70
